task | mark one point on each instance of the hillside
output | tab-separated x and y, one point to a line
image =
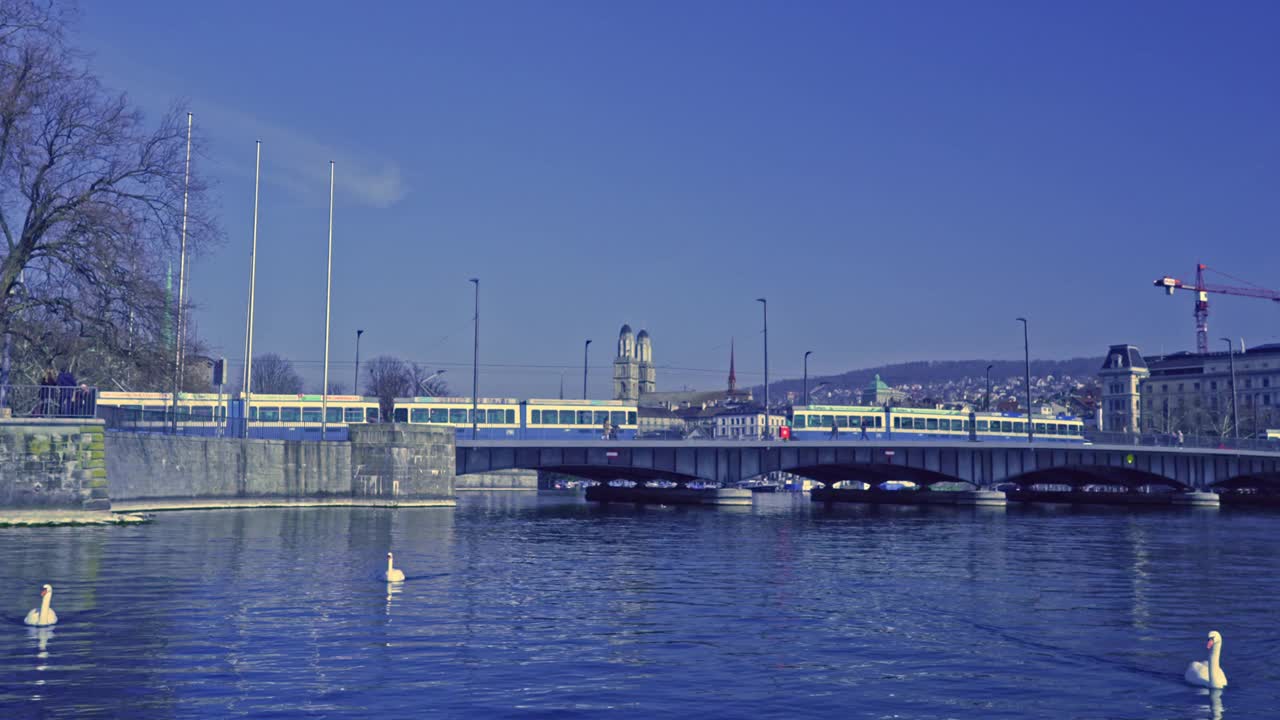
935	373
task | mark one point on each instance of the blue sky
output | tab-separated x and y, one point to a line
900	179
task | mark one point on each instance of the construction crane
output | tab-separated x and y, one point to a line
1202	290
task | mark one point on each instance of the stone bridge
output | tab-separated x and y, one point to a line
980	464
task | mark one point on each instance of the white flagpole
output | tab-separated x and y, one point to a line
253	278
328	289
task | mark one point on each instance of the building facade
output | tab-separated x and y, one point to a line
1121	378
746	423
634	373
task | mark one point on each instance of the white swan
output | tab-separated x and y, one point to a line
1209	674
43	615
393	574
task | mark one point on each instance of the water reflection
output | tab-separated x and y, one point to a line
519	604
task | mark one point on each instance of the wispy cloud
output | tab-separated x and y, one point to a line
299	164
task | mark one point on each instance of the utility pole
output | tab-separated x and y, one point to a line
1026	355
475	365
764	432
586	347
1235	416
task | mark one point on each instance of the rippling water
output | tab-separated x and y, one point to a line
520	606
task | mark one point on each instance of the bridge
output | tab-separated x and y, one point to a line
979	464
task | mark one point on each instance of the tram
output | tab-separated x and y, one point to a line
827	422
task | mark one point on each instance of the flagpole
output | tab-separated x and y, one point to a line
328	288
182	278
253	278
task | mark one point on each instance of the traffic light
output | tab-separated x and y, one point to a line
219	371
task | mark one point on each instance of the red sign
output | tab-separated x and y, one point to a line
784	432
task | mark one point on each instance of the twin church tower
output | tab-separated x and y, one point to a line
633	371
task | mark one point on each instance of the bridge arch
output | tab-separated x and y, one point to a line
1080	476
874	474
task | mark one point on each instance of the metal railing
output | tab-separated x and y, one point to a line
1203	442
51	401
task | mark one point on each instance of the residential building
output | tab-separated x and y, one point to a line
1121	378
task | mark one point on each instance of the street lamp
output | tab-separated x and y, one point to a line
986	405
1235	417
807	353
355	388
764	432
475	364
585	348
1026	355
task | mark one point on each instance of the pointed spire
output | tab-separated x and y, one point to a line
733	379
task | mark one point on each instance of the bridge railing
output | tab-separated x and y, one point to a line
52	401
1208	442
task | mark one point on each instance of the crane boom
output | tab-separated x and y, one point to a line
1202	290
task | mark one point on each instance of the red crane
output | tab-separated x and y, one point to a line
1202	290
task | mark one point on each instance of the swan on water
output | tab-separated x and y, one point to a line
393	574
43	615
1209	674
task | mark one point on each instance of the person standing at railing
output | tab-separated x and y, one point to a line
66	392
46	402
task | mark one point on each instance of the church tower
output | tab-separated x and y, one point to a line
648	375
626	367
733	379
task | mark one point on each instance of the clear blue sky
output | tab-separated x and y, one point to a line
901	179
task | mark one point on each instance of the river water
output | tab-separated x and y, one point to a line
525	606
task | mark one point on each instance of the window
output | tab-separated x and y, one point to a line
931	424
400	414
269	414
333	415
1196	386
496	417
919	423
201	412
878	419
458	416
897	422
438	415
602	417
290	414
842	421
420	415
1040	429
310	415
1019	427
1266	382
798	421
354	415
982	426
1248	383
1164	388
1213	385
1006	426
618	417
827	421
1266	398
372	414
584	417
631	417
568	417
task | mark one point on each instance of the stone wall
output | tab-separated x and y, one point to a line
168	466
53	463
402	461
498	480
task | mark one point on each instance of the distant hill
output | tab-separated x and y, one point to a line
943	371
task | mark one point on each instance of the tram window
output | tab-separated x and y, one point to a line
311	415
400	414
511	417
290	414
132	412
333	415
495	417
798	421
1056	429
1019	427
602	417
982	426
420	415
826	421
201	412
618	417
372	414
535	417
220	412
897	422
919	422
1040	429
269	414
253	412
458	416
354	415
968	425
584	417
879	421
439	415
568	417
842	421
631	417
1006	426
931	424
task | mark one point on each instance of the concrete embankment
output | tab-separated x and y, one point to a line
52	464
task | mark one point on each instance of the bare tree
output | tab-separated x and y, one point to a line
90	204
336	388
275	375
389	378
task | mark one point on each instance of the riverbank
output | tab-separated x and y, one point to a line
46	518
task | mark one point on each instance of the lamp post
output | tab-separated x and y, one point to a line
807	353
328	295
1235	417
355	387
475	364
1026	356
986	404
586	347
764	432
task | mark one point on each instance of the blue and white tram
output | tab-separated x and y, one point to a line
509	419
826	422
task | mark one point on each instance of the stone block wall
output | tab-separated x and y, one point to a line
53	463
168	466
402	461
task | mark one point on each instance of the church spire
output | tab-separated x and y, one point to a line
733	379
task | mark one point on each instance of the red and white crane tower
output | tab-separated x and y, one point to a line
1202	290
